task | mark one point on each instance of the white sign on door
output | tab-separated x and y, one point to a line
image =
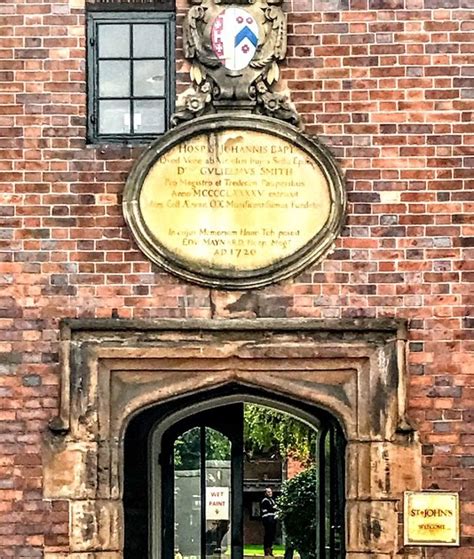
217	503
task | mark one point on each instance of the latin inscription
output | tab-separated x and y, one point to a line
234	200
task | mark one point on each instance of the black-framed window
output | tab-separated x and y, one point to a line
131	75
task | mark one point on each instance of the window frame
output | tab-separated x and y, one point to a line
94	19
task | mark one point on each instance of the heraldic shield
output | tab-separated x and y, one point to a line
234	50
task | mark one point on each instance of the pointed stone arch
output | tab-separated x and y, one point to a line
115	369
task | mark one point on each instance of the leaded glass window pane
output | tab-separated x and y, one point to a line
131	74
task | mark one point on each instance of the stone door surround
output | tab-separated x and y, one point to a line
112	369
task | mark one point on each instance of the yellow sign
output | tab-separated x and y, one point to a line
431	518
235	200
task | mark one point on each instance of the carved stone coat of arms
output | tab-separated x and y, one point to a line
234	50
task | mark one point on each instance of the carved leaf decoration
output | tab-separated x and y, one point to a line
191	35
273	73
280	47
279	24
261	62
196	74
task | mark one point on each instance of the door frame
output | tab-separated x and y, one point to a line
164	425
160	489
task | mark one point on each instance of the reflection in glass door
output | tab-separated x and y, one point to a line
207	504
218	493
191	472
187	493
201	508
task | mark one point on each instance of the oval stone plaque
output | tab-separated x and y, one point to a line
234	202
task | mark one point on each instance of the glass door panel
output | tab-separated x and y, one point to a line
218	468
332	493
187	494
202	494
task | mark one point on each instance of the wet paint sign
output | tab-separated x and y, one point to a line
217	503
234	38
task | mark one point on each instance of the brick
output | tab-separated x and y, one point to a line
387	86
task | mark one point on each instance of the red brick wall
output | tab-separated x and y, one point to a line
385	83
293	467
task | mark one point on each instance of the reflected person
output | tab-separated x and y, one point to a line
268	514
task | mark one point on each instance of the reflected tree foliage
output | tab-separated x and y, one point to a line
297	507
187	448
267	432
271	432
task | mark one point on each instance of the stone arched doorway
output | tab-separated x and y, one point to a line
115	369
149	481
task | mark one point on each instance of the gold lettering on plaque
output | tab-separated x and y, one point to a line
235	201
431	518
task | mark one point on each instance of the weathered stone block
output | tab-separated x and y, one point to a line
96	525
369	555
372	526
383	470
69	471
406	468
